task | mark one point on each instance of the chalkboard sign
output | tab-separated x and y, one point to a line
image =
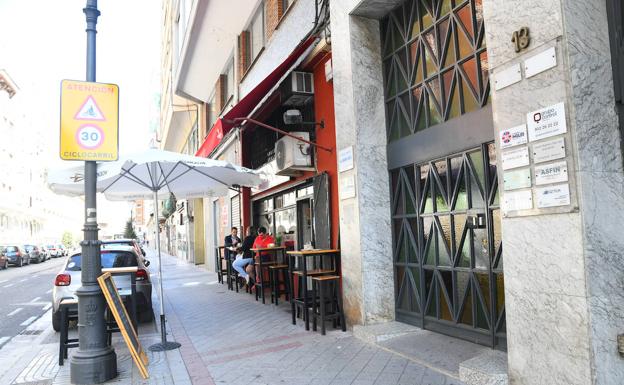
118	309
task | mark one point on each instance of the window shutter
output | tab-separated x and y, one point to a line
243	53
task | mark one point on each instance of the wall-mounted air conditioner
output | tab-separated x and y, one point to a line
297	89
293	156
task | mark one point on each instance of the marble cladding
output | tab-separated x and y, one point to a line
601	181
502	18
564	273
360	122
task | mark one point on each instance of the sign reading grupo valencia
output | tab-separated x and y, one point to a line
546	122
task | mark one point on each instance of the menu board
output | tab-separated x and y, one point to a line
124	323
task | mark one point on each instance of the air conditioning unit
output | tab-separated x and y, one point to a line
293	156
297	89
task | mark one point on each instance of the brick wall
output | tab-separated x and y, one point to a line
243	54
220	93
273	12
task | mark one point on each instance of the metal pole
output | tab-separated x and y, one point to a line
163	344
94	362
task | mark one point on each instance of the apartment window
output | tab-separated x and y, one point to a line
256	30
230	81
192	141
212	111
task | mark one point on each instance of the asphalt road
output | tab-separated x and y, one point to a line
25	295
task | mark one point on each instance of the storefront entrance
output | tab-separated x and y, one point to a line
447	246
445	213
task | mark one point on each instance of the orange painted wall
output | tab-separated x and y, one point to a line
326	161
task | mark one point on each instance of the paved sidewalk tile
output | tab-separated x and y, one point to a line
227	338
241	341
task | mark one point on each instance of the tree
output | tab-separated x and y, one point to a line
129	231
67	239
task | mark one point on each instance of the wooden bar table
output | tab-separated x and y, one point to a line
297	265
262	253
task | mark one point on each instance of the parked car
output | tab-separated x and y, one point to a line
34	253
62	250
45	252
17	255
4	261
53	250
68	280
124	242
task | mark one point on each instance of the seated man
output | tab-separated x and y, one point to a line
247	257
232	242
263	240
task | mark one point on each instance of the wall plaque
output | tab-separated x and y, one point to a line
553	196
549	150
513	136
541	62
551	173
516	179
515	158
517	200
345	159
507	77
546	122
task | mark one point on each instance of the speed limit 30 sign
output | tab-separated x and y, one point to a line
89	121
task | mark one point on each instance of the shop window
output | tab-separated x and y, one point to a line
434	62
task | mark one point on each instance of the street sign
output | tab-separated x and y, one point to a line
89	121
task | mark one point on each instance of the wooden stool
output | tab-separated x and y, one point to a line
302	301
328	294
261	283
276	291
232	276
69	312
219	262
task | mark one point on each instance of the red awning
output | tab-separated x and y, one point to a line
247	104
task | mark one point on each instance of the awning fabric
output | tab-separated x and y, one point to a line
248	103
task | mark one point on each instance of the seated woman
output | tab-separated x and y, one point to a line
247	257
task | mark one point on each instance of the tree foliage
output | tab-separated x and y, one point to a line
67	239
129	231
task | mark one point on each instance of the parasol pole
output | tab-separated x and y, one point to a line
163	344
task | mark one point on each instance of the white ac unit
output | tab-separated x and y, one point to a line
293	156
298	88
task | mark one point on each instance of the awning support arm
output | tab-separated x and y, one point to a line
248	119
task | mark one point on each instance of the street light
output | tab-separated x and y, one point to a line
95	361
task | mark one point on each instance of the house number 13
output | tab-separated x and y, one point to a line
521	38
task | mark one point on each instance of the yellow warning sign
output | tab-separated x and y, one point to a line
89	121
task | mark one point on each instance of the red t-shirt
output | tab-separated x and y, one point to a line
263	242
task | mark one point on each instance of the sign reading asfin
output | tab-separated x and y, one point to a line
89	121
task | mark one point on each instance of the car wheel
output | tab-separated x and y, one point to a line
21	262
56	321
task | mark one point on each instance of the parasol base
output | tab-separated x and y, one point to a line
164	346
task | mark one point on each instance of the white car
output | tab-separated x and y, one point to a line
68	280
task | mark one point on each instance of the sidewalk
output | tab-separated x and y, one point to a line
228	338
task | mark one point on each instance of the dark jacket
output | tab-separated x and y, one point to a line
229	242
246	246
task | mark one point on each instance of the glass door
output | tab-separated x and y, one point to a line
304	222
447	246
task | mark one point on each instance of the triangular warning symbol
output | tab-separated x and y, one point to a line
89	111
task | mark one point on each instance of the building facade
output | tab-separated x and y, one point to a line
466	158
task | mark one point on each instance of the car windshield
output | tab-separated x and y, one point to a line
10	249
29	248
109	259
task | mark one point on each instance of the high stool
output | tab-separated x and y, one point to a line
328	289
221	271
276	283
232	278
261	283
302	299
69	312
